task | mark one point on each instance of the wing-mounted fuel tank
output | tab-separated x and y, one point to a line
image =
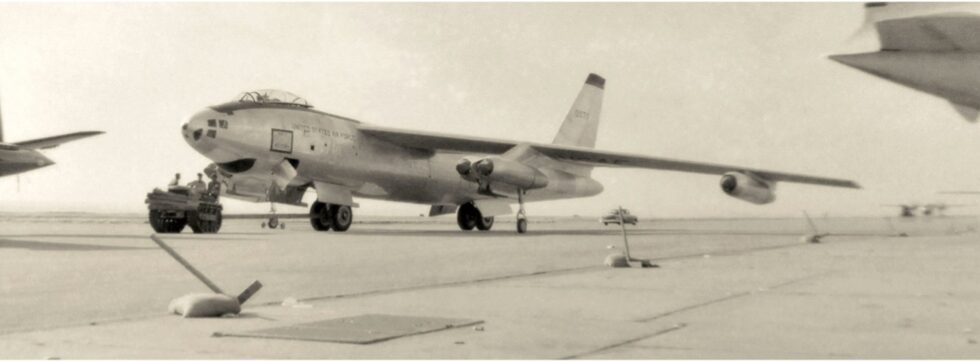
748	187
501	170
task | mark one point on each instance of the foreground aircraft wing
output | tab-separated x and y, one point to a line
579	155
952	32
54	141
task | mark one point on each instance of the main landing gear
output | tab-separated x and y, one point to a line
324	217
469	217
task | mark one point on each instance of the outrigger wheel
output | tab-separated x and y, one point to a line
166	225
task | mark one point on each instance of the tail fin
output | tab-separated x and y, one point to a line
582	122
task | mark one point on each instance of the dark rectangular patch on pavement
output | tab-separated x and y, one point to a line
362	329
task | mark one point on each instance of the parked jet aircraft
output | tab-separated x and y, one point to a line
908	210
937	53
272	146
19	157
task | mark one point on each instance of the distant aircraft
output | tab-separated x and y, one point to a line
930	47
271	146
19	157
938	208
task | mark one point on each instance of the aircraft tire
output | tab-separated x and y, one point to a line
484	223
320	216
466	216
273	223
521	226
342	217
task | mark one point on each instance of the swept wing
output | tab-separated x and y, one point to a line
580	155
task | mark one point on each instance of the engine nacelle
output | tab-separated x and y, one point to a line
500	170
465	168
747	188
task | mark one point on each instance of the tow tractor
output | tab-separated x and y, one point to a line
194	205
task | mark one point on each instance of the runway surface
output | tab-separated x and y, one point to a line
93	286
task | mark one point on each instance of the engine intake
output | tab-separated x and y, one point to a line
500	170
747	188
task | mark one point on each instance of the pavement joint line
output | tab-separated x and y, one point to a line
406	289
519	276
684	309
628	341
727	298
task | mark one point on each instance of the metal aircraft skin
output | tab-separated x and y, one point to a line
271	146
20	157
930	47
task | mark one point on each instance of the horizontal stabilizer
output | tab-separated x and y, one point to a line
935	33
54	141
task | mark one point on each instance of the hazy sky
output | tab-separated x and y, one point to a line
743	84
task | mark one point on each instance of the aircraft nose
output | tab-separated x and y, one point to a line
193	128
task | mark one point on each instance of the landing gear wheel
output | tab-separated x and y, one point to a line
342	217
466	216
282	226
263	224
521	214
521	226
320	216
273	223
484	223
166	225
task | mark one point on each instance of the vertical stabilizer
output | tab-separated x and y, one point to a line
582	121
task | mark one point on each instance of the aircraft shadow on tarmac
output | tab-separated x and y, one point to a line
53	246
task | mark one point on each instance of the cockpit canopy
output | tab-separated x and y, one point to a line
273	96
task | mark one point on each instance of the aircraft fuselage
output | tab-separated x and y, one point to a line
328	148
15	160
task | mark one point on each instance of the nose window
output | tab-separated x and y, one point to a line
211	123
197	134
223	123
212	133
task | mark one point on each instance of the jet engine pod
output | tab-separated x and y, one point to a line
747	188
496	169
465	168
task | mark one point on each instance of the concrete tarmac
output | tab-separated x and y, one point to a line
91	286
